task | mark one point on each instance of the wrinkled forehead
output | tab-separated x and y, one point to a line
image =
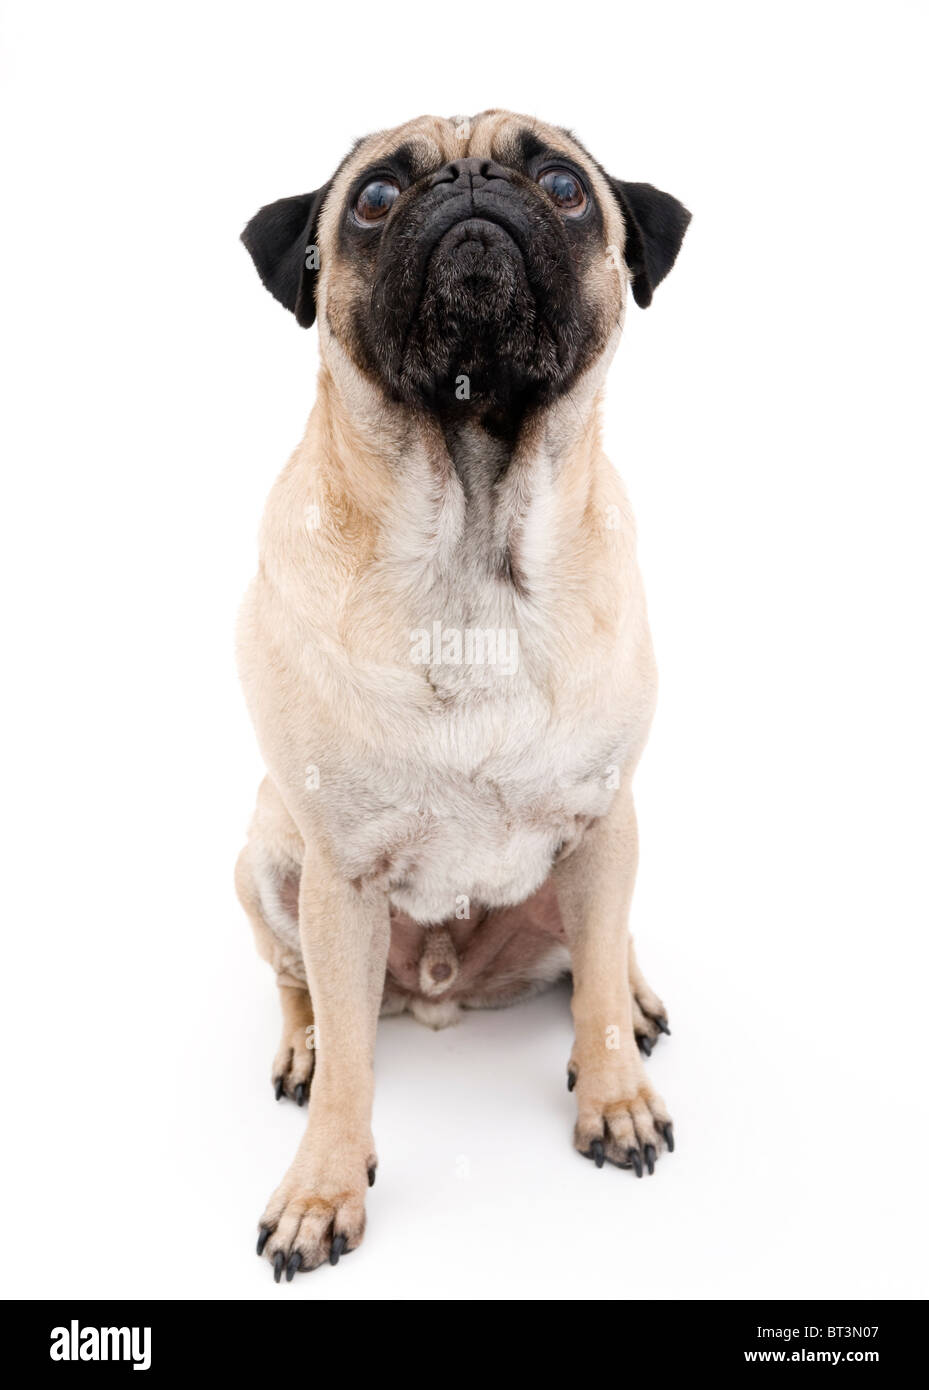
428	142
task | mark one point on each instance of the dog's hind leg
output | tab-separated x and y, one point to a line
292	1068
649	1016
267	882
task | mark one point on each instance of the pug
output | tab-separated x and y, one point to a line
445	651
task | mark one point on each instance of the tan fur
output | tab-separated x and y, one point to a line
397	788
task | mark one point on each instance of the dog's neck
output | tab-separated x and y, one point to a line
479	456
453	497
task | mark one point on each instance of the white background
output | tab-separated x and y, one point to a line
767	413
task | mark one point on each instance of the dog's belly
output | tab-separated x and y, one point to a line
462	837
465	842
460	827
466	863
475	810
479	860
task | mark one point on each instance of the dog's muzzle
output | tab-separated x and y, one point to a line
474	277
476	195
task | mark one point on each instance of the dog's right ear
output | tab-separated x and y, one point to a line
281	240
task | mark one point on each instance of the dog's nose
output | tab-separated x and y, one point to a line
470	173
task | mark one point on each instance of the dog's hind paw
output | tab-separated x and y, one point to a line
649	1016
648	1026
292	1069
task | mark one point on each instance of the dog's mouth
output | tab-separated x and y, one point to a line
476	269
478	235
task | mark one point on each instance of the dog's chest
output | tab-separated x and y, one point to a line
472	785
476	806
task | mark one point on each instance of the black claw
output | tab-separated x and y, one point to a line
572	1080
669	1137
293	1264
635	1159
278	1266
278	1087
596	1152
337	1249
662	1025
645	1044
650	1158
263	1233
372	1173
300	1093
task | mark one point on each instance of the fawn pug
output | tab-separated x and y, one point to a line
441	829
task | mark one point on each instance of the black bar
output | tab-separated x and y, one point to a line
654	1338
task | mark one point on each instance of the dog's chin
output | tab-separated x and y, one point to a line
477	341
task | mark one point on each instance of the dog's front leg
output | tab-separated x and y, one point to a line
620	1118
317	1213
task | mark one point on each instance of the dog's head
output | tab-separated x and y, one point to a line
465	262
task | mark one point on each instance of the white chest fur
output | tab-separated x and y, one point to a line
475	804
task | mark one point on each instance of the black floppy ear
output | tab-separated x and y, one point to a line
655	227
281	240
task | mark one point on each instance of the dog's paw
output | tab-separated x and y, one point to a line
649	1016
317	1213
292	1069
649	1019
628	1131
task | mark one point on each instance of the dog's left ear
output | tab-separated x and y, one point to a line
281	240
655	227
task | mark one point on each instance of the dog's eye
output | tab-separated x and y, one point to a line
375	200
565	190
